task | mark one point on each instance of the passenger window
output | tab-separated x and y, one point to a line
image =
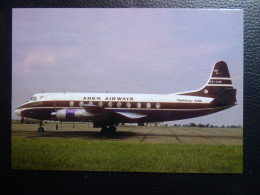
128	104
71	104
138	105
158	105
110	104
119	104
148	105
100	104
81	103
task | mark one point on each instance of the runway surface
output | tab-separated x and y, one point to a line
149	134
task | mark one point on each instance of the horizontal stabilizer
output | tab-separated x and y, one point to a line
131	115
226	98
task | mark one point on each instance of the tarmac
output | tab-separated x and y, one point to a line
136	134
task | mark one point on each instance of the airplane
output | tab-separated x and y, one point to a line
107	110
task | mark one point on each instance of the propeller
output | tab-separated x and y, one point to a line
53	114
57	127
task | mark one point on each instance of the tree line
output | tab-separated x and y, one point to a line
196	125
207	125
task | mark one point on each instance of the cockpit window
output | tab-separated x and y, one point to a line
33	99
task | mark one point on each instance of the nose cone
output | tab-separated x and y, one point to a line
18	112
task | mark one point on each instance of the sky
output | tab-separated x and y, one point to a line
133	50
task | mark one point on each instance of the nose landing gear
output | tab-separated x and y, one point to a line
41	129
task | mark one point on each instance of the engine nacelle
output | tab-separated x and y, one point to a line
73	115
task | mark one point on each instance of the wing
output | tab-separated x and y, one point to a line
131	115
94	109
126	116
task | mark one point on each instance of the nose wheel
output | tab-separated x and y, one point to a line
41	129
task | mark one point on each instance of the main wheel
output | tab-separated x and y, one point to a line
108	131
112	130
103	130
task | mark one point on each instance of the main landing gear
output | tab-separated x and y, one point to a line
111	130
41	129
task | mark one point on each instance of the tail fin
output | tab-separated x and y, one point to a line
218	82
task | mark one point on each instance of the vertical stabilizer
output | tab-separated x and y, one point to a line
219	81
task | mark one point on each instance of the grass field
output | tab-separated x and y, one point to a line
103	155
